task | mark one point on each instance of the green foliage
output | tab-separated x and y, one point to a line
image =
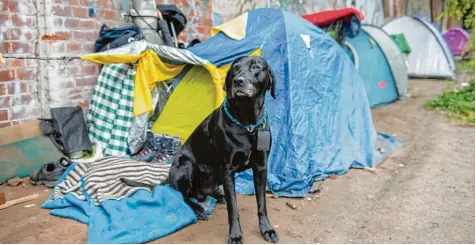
458	102
462	9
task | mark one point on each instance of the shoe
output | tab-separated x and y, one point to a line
149	151
50	173
158	148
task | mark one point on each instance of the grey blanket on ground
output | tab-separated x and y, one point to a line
101	179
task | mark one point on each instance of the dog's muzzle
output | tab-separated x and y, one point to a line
242	88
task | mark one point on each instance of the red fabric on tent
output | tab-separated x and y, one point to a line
327	17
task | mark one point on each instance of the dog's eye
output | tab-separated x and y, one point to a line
236	68
256	67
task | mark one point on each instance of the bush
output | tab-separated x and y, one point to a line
459	103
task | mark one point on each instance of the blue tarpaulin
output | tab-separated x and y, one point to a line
141	217
321	122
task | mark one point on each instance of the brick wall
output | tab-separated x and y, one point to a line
28	88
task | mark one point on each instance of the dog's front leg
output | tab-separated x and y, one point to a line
235	234
259	177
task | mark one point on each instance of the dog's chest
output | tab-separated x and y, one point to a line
251	151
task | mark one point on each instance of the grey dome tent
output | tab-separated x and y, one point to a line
380	63
430	56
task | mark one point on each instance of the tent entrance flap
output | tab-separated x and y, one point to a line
191	102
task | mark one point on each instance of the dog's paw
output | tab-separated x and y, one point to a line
270	235
221	199
201	215
236	236
235	239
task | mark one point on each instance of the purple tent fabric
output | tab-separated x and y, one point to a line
457	39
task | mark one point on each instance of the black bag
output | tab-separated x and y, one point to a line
174	16
115	37
67	129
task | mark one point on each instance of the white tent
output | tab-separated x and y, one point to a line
430	56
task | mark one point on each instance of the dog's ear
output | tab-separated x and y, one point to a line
271	82
228	80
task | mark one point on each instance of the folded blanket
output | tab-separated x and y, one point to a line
103	178
92	193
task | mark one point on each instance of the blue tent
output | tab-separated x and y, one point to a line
320	121
380	63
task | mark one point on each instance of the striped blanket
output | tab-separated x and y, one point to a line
102	179
94	194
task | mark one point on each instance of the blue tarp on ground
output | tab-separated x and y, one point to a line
144	216
320	121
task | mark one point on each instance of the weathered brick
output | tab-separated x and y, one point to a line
10	6
72	70
72	23
5	124
59	35
74	30
85	35
24	99
17	47
88	48
6	101
24	74
22	20
30	35
17	63
21	112
58	22
107	14
87	24
73	2
80	12
67	83
104	4
3	115
89	69
201	29
57	47
3	89
7	75
4	17
26	8
13	34
73	47
60	10
18	88
85	81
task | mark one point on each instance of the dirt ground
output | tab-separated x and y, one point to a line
424	193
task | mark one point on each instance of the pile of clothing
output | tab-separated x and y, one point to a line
115	175
98	193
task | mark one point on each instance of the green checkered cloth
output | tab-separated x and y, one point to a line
110	110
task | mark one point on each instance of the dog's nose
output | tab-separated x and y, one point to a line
240	80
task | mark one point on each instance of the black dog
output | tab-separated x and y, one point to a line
233	138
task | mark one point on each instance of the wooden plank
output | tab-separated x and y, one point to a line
20	158
19	200
436	10
20	132
419	8
400	8
3	199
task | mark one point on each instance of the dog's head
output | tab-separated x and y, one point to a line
249	76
